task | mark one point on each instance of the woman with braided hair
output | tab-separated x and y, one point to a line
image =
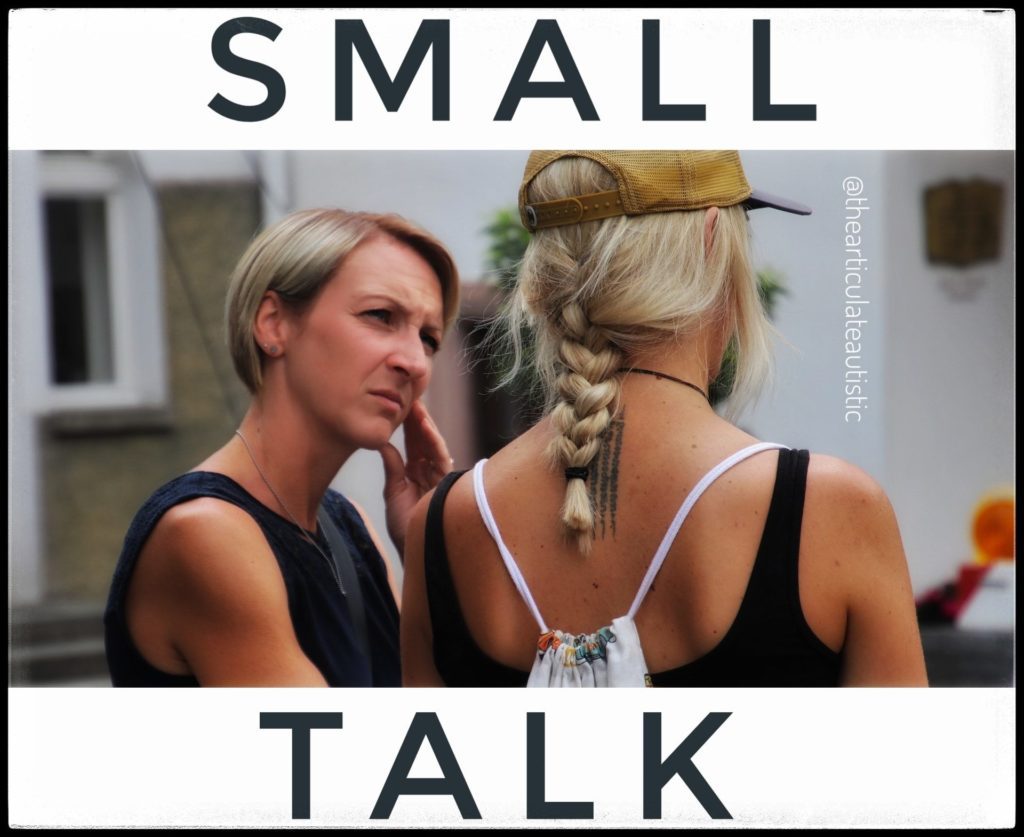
646	539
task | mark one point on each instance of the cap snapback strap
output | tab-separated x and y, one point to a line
574	210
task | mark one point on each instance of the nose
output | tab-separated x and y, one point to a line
410	357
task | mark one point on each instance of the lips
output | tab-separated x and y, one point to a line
391	396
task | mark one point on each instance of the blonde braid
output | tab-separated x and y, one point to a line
588	392
597	292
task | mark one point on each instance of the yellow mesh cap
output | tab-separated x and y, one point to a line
648	181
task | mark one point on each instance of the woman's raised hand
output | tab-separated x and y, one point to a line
406	481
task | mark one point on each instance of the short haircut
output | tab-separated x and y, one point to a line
296	257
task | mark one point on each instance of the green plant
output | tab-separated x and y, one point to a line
770	288
508	241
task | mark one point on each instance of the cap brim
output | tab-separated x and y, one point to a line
762	200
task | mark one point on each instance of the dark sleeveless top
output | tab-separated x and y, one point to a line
768	644
318	610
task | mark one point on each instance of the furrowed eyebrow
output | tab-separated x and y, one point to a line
377	297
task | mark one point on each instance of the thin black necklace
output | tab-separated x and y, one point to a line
669	377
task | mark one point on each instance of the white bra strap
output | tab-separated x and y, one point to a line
684	510
510	562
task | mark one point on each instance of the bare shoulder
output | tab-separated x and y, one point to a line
850	530
203	541
846	507
209	598
202	517
206	560
843	481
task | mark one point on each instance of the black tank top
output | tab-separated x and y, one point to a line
319	614
768	644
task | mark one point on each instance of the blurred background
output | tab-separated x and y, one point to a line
119	378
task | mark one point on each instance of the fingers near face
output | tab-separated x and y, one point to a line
427	456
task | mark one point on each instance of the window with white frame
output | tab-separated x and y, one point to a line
78	285
102	303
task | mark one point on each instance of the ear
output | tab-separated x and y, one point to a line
710	220
268	329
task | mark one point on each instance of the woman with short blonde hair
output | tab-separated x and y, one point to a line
295	258
248	570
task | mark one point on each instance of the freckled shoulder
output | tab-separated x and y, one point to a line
851	545
844	500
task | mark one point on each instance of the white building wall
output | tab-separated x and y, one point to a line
451	193
805	406
950	386
26	581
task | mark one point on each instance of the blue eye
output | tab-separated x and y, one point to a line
381	314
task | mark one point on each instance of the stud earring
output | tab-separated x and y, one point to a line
271	349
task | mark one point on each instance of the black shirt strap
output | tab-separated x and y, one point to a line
434	538
349	579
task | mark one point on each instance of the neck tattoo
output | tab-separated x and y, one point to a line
302	530
668	377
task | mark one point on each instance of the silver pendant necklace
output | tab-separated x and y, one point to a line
304	534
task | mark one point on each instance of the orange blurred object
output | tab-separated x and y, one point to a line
993	529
